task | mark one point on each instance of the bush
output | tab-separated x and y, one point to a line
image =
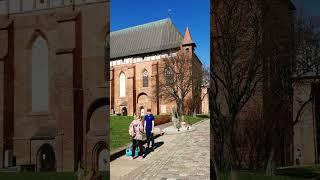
203	115
162	119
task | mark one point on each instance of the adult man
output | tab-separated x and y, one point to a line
148	128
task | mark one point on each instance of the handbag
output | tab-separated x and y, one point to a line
129	151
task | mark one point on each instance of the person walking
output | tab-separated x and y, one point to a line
136	130
149	129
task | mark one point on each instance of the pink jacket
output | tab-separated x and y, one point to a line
136	129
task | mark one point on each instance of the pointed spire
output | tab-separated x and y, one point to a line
187	40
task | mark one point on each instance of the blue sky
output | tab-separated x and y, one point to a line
194	14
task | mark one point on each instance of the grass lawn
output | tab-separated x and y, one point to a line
294	173
119	125
191	120
119	134
306	172
39	176
257	176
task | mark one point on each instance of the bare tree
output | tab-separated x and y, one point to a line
236	70
205	83
201	85
307	58
245	26
286	77
178	77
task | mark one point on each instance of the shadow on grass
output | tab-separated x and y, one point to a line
300	172
37	176
247	175
44	176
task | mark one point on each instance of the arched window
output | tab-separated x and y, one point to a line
168	72
40	76
122	85
145	78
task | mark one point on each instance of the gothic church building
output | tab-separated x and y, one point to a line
136	54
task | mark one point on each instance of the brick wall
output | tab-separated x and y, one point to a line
60	118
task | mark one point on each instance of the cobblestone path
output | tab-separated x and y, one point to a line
183	156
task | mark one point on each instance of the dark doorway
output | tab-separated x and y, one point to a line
103	160
141	111
316	98
46	158
100	157
124	111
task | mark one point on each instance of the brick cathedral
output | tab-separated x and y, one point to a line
136	54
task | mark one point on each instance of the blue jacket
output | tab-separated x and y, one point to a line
148	119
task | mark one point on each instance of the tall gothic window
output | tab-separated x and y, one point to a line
122	85
40	76
145	78
168	72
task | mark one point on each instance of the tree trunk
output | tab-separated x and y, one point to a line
227	157
182	107
179	108
194	112
215	173
271	164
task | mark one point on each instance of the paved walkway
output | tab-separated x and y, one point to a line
181	156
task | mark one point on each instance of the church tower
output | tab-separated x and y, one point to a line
187	44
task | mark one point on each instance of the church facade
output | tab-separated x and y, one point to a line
136	56
53	97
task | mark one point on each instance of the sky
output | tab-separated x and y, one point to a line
310	7
191	13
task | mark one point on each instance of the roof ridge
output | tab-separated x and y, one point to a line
143	25
151	37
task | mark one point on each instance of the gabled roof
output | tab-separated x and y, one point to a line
151	37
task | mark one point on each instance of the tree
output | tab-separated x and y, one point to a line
252	51
236	64
307	58
287	77
177	78
205	83
201	85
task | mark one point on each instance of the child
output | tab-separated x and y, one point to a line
136	130
148	128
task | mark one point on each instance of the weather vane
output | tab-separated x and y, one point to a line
169	13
